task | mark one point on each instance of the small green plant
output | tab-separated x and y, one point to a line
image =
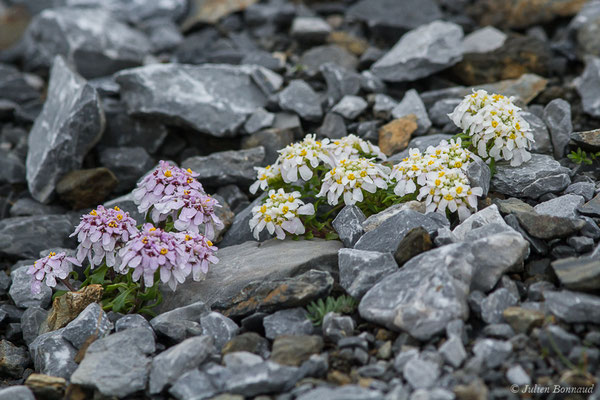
318	309
581	157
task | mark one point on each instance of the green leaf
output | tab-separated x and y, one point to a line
331	236
120	301
58	293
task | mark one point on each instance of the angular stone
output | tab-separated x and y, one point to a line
263	378
67	307
333	127
523	320
337	326
589	140
549	227
172	363
493	305
493	352
92	322
341	81
523	14
588	86
128	165
70	124
294	350
573	307
310	29
481	218
47	387
557	115
91	39
18	392
438	281
388	235
20	290
212	99
131	321
564	206
31	320
591	208
13	359
272	295
293	321
84	188
12	167
251	262
421	373
118	364
176	323
203	12
395	135
193	385
540	175
53	355
259	119
453	351
134	12
300	98
350	107
360	270
386	14
421	52
219	327
26	207
348	225
483	40
416	241
479	175
411	104
225	167
581	274
542	144
583	189
438	112
247	342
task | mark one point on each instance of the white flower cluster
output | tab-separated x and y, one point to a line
351	147
439	175
280	213
264	176
497	130
301	158
350	178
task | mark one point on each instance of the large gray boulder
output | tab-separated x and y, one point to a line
70	124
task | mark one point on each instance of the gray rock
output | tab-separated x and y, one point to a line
438	113
31	320
251	262
578	273
239	232
591	208
360	270
557	115
180	323
16	86
131	321
421	373
517	375
411	104
172	363
300	98
555	339
481	218
310	29
127	163
383	106
213	99
494	304
573	307
334	126
542	143
92	40
412	299
375	220
225	167
453	351
293	321
386	14
118	364
499	331
219	327
388	235
26	207
421	52
588	86
350	107
483	40
421	143
583	189
263	378
52	355
336	326
16	393
479	175
563	206
540	175
193	385
70	124
12	166
148	133
13	359
133	11
238	358
91	321
549	227
581	244
20	290
341	81
346	392
258	120
493	352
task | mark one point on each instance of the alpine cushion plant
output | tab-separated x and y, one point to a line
130	261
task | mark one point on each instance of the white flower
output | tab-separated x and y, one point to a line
352	147
302	157
264	175
449	189
497	130
281	212
350	178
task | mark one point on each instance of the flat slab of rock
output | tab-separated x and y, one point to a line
588	140
547	226
573	307
578	273
588	86
25	237
395	14
70	124
250	262
421	52
540	175
212	98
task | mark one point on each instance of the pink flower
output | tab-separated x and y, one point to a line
201	253
101	232
164	181
50	267
155	250
190	209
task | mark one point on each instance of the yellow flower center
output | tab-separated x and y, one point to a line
512	136
430	162
458	164
432	192
268	218
339	181
163	251
332	172
363	173
168	173
351	177
120	217
510	112
273	197
93	212
190	180
414	168
291	199
448	197
494	123
438	182
518	126
209	243
493	112
189	170
152	229
52	254
459	190
188	237
469	192
112	224
263	209
263	177
303	152
441	174
285	209
144	240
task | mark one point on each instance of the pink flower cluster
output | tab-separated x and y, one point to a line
49	268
